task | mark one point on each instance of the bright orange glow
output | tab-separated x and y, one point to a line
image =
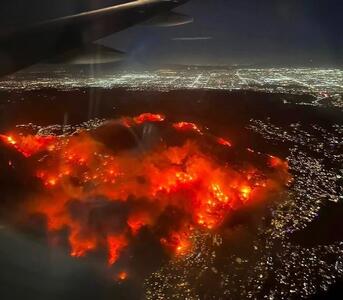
224	142
122	276
52	181
81	178
148	117
141	119
276	162
28	145
218	193
80	246
187	126
245	191
9	139
115	245
178	243
137	221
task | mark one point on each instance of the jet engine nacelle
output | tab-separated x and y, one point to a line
169	19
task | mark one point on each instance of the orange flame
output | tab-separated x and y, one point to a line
115	245
187	126
79	169
28	145
149	117
224	142
122	275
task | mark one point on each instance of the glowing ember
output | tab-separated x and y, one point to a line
276	162
28	145
148	117
141	119
122	276
178	243
245	191
80	246
224	142
187	126
82	177
137	221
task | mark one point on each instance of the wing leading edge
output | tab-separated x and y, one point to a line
26	46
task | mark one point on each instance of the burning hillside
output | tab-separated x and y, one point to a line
103	186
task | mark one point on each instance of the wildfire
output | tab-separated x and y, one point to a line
148	117
224	142
178	243
115	245
104	198
276	162
245	191
187	126
142	118
122	275
28	145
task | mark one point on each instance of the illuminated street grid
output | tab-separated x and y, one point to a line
276	267
297	272
325	84
314	180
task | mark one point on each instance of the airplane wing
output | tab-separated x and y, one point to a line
22	47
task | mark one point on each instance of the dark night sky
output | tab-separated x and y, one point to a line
295	32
